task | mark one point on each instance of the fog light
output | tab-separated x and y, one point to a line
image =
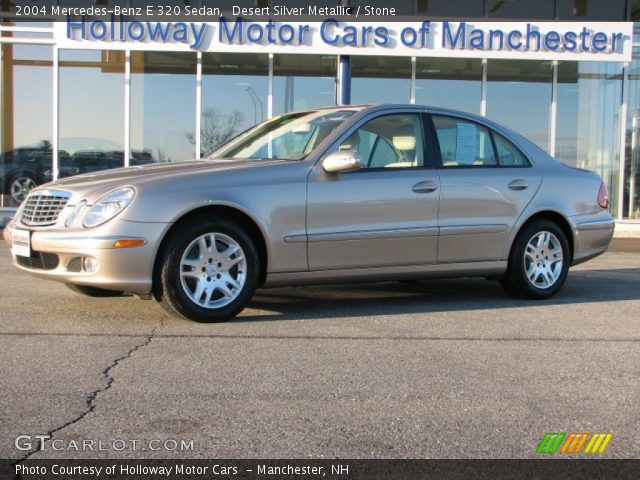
90	264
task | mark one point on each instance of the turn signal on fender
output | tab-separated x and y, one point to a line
132	242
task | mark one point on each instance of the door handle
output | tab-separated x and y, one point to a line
519	184
426	186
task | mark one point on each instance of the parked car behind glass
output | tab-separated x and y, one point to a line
24	168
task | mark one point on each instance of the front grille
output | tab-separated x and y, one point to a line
39	261
43	207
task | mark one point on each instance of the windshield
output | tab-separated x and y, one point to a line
289	137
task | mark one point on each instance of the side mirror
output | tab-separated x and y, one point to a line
338	162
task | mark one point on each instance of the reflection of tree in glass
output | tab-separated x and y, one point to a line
216	128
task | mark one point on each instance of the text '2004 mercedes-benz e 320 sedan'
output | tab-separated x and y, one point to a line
343	194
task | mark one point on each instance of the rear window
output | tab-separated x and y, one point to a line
508	153
464	143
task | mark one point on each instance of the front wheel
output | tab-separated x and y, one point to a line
209	272
539	261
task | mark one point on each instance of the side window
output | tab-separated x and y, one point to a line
389	141
383	152
463	143
508	154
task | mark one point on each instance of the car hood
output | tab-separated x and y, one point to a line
92	185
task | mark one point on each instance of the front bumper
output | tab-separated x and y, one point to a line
58	254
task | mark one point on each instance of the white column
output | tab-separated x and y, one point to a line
198	103
632	173
270	93
553	111
127	108
623	135
413	81
483	90
56	109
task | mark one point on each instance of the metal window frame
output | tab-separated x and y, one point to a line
623	137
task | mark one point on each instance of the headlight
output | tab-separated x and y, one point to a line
71	219
108	207
18	215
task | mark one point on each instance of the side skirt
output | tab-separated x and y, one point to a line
378	274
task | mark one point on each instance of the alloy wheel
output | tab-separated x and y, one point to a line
21	187
213	270
543	260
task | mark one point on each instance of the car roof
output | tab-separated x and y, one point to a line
400	106
514	136
374	107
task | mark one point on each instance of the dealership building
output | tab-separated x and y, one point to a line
98	92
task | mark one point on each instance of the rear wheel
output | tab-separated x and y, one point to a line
539	261
210	270
93	291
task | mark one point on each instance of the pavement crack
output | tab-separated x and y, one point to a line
90	400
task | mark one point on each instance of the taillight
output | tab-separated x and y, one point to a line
603	196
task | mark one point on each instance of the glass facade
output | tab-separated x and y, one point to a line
519	95
26	110
303	81
234	96
91	126
450	83
64	112
630	208
380	79
588	131
163	106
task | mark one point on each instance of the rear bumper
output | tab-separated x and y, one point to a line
592	236
58	255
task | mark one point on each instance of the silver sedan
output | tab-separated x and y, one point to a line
342	194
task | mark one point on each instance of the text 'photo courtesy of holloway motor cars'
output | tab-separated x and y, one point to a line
335	195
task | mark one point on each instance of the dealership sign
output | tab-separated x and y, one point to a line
603	41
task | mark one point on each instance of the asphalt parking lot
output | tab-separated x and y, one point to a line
434	369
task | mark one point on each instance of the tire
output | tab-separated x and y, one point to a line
213	287
544	242
93	291
20	186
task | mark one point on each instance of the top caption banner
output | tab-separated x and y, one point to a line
283	10
595	41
